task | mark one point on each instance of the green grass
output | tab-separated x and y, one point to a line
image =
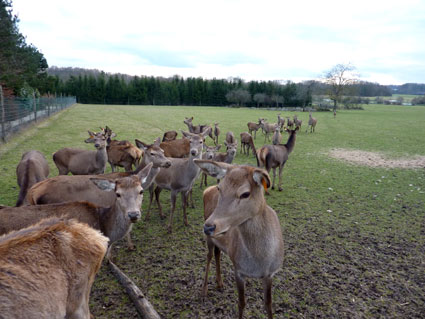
354	235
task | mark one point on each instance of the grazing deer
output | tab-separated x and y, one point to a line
121	153
179	178
246	143
275	156
311	123
239	222
83	162
216	133
47	270
169	136
253	127
177	148
297	122
267	129
32	169
230	138
277	137
209	154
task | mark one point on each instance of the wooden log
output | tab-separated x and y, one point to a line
143	306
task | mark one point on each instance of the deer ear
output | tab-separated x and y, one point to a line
144	174
103	184
186	134
261	177
141	145
157	141
214	169
217	148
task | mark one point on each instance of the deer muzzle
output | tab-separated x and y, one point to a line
134	216
209	230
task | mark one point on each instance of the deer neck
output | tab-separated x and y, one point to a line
290	144
112	225
102	157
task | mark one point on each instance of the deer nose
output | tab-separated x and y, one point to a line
134	216
194	152
209	230
96	145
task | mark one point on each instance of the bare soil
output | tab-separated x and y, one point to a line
374	159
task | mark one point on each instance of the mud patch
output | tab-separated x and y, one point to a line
374	159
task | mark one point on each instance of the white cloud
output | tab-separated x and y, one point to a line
254	40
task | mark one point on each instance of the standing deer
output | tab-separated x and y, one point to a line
230	138
83	162
239	222
47	270
311	123
32	169
231	150
253	127
289	123
267	129
209	154
280	121
277	137
297	122
275	156
198	128
246	143
179	178
216	133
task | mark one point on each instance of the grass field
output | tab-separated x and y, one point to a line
354	235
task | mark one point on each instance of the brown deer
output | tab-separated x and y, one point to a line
230	138
297	122
177	148
246	143
209	154
289	123
216	133
267	129
277	137
124	199
311	123
280	121
47	270
169	136
239	222
32	169
229	155
83	162
253	127
275	156
198	129
179	178
121	153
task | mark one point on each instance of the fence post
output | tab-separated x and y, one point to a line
49	99
34	107
3	131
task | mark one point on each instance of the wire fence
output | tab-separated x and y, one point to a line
19	112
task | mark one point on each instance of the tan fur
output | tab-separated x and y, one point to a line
246	143
169	136
47	270
123	154
177	149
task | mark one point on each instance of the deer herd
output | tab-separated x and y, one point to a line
65	225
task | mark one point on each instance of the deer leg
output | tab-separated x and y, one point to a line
267	289
204	291
274	176
173	207
206	177
280	176
148	214
184	205
157	193
240	285
108	252
218	279
130	245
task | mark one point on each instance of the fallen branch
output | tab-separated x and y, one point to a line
142	305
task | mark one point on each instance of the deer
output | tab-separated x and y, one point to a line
230	138
246	143
277	137
311	123
209	154
275	156
289	123
83	162
280	121
239	222
179	148
297	122
198	128
47	270
267	128
229	155
216	133
125	196
32	168
179	178
121	153
169	136
253	127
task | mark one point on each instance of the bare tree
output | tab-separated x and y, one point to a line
260	98
239	96
340	80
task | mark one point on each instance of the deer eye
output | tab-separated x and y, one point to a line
245	195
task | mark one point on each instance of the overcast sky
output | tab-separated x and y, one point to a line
254	40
